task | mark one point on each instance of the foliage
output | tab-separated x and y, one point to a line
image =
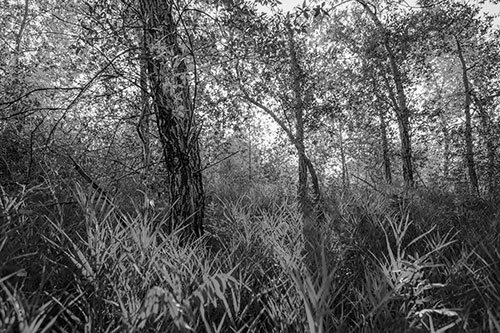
84	187
249	272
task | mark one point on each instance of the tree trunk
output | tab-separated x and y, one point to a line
295	75
310	209
386	153
488	142
469	150
385	147
446	149
402	112
143	126
302	196
314	181
345	173
250	151
406	155
305	165
168	78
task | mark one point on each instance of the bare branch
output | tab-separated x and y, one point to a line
270	112
37	90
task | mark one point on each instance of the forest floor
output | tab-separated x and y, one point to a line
425	261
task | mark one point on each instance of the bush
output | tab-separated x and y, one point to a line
381	264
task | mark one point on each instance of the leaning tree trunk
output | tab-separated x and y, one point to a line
402	111
469	152
309	208
295	74
168	78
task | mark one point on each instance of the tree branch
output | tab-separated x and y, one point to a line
270	112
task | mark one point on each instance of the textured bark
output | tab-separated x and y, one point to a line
401	106
302	184
309	207
143	126
469	150
345	171
305	165
168	80
386	153
486	133
446	148
314	181
295	75
385	147
406	155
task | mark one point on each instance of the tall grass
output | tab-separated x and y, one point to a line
379	265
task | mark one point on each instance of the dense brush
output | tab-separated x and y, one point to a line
379	265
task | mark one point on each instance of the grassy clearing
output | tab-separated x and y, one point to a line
425	262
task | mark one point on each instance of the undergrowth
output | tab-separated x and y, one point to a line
422	262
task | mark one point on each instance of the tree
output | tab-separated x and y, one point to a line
167	62
400	100
295	82
469	150
454	29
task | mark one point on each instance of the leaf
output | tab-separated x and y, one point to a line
155	305
444	312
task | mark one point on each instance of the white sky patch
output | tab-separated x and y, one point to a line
286	6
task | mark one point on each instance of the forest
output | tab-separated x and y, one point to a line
231	166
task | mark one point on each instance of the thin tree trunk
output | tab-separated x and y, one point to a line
143	126
402	112
488	142
295	75
469	150
406	154
168	76
250	151
386	155
314	181
345	174
446	149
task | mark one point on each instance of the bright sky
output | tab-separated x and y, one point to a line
288	5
